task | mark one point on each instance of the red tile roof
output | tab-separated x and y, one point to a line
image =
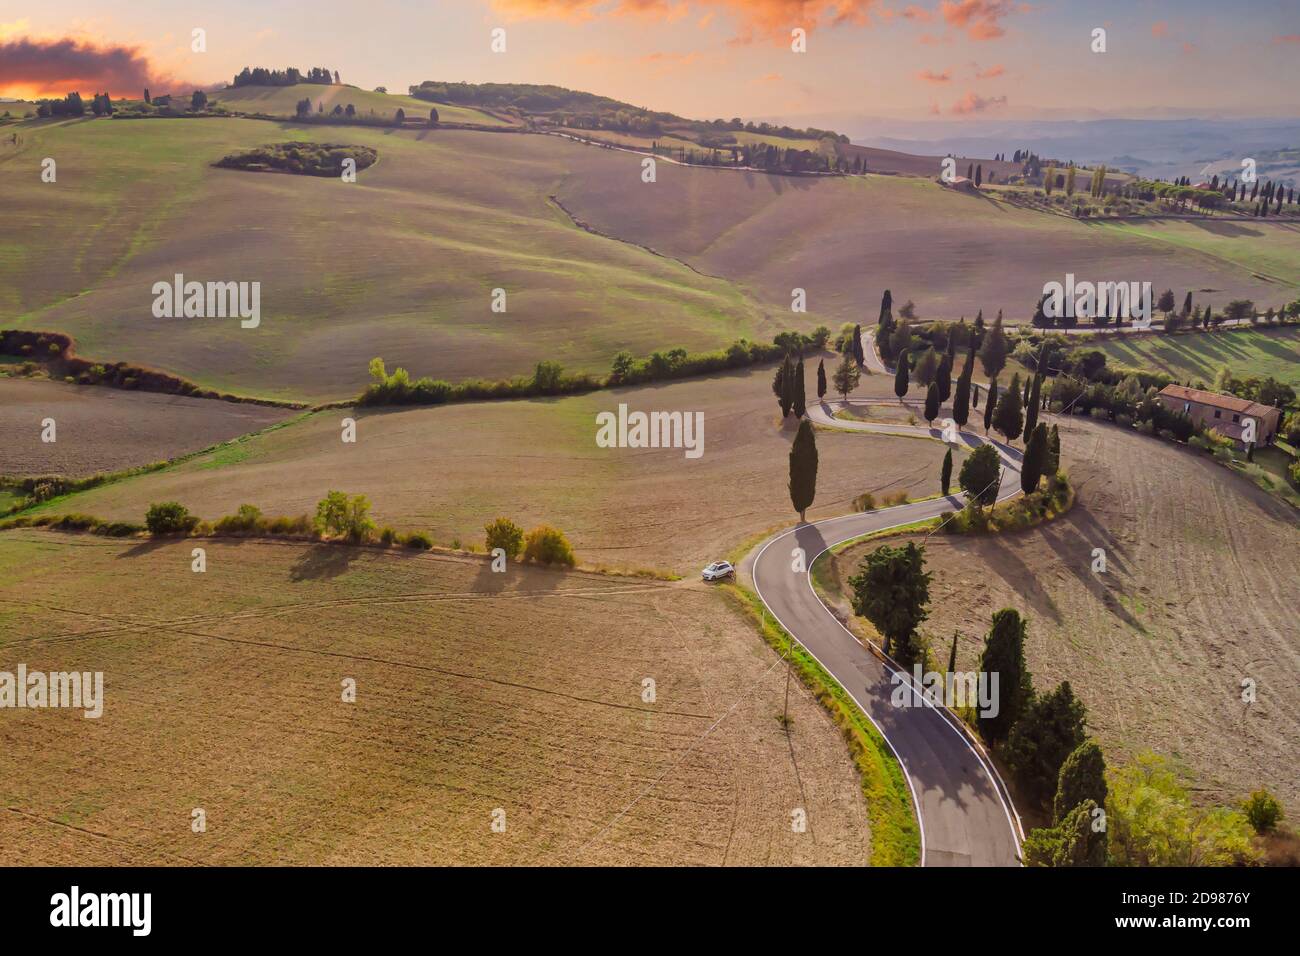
1228	402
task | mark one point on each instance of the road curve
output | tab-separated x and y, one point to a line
965	816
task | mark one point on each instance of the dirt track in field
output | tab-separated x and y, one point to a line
1200	593
475	692
105	429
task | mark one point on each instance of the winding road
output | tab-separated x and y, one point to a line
964	812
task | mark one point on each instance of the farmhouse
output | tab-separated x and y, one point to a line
1226	414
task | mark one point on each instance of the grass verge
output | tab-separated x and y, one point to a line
895	837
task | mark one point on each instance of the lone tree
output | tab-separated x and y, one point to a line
803	469
1034	464
1009	417
990	403
800	403
846	376
433	117
1082	777
891	590
945	475
979	475
900	376
1004	655
821	379
886	308
859	356
399	117
932	403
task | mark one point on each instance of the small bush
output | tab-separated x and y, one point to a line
169	517
418	540
548	545
246	520
506	535
387	536
864	502
1263	811
339	514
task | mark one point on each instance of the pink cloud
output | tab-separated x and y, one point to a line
1159	28
991	73
930	76
919	14
979	18
972	103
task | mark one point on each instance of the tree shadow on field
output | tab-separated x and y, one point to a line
149	545
1003	560
488	581
1075	553
322	561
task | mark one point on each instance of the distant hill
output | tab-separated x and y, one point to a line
283	101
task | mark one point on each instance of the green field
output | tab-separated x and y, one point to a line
401	264
283	101
1269	250
1198	357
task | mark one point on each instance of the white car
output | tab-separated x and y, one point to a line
718	570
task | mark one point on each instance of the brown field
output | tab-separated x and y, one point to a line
1200	592
453	469
105	429
844	240
475	692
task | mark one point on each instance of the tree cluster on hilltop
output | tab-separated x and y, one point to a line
290	76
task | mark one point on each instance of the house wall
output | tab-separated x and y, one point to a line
1204	415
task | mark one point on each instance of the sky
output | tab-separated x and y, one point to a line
949	59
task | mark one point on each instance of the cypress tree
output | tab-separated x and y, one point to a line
1009	416
886	308
900	377
787	386
952	655
961	400
1034	462
1082	777
1053	462
944	377
803	469
945	474
800	403
821	379
1032	404
990	403
1004	655
858	355
932	403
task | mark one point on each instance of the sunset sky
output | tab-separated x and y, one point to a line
701	58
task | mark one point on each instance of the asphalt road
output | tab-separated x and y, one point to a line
966	817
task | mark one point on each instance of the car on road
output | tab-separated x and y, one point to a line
718	570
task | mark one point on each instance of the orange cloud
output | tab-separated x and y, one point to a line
56	67
1287	38
770	18
930	76
991	73
979	18
1159	28
919	14
971	103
